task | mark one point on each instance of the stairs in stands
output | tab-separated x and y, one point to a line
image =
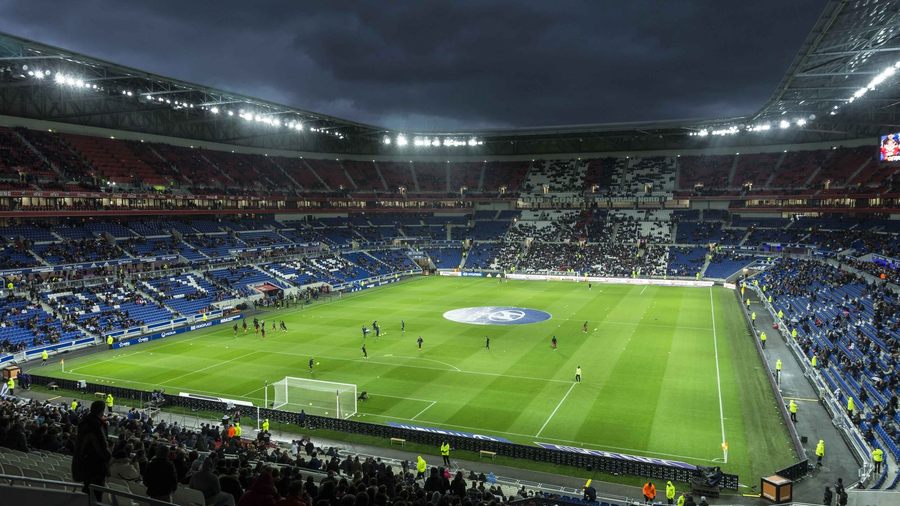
319	178
40	155
775	170
285	173
381	177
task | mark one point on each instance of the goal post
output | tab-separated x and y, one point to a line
316	397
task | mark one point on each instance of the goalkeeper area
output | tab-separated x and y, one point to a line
315	397
667	372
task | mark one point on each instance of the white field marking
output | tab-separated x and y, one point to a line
157	385
424	410
712	311
413	366
110	359
642	289
457	369
480	430
561	401
399	397
217	364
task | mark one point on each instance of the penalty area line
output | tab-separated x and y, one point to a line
561	401
424	410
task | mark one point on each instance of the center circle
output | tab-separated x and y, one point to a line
496	315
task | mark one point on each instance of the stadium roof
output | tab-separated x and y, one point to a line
853	49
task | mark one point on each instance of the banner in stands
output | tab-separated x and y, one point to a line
614	455
172	332
362	285
457	433
35	352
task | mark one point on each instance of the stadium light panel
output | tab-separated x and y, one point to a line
387	140
214	110
784	124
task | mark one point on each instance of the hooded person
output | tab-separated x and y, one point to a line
160	476
262	492
90	461
206	481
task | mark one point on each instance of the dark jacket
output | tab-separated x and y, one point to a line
261	493
160	477
90	460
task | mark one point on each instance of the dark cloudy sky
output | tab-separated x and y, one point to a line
449	64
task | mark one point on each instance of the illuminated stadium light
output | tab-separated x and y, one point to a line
801	122
402	141
386	140
784	124
214	110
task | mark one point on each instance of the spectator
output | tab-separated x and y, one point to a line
160	476
90	462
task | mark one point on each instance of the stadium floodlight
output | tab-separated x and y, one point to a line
214	110
436	142
402	140
322	398
784	124
473	141
801	122
387	140
231	113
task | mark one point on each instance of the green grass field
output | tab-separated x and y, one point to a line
667	371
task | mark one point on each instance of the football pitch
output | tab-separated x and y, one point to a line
668	372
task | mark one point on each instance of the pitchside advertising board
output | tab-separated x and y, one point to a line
172	332
548	446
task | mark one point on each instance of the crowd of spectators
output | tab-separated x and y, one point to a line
227	466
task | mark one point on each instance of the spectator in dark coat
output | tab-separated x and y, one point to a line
90	462
160	476
458	485
262	492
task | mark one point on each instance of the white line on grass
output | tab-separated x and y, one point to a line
424	410
642	289
217	364
457	369
114	357
547	439
712	311
561	401
404	398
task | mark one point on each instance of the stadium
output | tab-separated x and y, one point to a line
562	314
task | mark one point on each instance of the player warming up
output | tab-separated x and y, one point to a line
487	343
402	325
578	374
584	327
365	353
419	341
312	362
553	343
283	326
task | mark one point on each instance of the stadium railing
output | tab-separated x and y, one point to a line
605	462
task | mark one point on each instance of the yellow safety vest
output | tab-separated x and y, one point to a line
11	384
265	425
109	340
445	450
74	405
670	490
44	355
793	407
778	365
878	455
109	401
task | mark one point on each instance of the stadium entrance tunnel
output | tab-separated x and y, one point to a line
496	315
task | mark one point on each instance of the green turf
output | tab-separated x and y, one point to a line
650	383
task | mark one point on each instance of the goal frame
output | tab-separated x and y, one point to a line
341	391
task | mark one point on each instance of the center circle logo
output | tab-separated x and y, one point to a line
496	315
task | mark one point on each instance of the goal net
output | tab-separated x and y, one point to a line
323	398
